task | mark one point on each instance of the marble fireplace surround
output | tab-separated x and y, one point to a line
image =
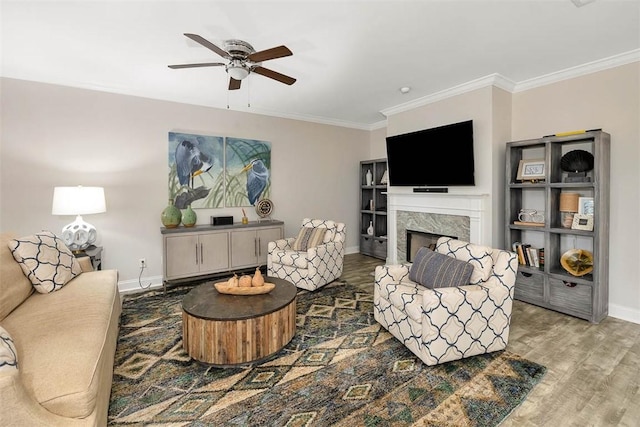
462	215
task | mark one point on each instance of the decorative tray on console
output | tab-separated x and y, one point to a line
223	288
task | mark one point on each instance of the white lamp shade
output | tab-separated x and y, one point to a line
78	200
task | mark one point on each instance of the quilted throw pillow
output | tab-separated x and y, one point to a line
434	270
308	238
8	355
45	260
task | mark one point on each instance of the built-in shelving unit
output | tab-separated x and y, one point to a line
550	285
373	208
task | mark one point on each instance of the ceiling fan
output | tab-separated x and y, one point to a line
243	59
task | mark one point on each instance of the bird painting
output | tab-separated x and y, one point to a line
191	162
257	179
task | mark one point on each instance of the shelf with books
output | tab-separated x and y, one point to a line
553	202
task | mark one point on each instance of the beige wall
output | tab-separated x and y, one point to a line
609	100
55	135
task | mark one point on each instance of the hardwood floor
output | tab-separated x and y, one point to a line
593	371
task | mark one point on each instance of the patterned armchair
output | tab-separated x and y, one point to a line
443	324
314	267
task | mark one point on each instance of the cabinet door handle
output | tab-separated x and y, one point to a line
259	247
255	247
201	255
196	254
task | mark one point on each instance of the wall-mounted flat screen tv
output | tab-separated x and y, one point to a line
440	156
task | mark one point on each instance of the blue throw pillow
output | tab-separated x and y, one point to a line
435	270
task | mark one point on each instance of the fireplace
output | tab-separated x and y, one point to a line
417	239
465	216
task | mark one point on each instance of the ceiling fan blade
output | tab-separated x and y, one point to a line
273	53
205	64
206	43
234	84
274	75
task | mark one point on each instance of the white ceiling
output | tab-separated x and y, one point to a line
350	57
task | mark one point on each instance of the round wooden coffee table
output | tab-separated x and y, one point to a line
221	329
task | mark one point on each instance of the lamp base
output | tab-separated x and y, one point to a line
79	235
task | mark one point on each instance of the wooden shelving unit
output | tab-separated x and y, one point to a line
551	286
373	209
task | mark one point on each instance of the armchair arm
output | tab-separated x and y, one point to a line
394	273
465	321
319	257
281	245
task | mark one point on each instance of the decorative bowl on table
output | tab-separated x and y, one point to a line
223	288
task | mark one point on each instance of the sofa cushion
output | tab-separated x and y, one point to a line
308	238
476	255
66	341
435	270
8	355
46	261
14	285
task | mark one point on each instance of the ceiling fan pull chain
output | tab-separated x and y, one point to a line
249	92
227	100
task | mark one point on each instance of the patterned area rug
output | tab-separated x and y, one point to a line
340	369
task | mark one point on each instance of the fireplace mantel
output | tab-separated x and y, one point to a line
474	206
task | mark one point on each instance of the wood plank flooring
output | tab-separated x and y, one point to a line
593	371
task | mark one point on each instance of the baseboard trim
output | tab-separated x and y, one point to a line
127	286
624	313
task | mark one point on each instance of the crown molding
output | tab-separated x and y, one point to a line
580	70
490	80
502	82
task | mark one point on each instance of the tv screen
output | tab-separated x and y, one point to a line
440	156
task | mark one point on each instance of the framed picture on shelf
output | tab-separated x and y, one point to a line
582	222
531	170
585	206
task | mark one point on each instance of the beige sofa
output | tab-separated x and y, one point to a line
65	343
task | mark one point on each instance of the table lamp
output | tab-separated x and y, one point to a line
78	201
568	207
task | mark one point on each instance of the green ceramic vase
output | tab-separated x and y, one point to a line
171	216
189	217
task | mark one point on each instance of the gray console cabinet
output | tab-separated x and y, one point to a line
551	286
193	252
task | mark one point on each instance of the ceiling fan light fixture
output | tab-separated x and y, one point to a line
237	70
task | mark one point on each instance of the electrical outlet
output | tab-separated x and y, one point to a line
142	263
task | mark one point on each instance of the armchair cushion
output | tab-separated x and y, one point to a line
46	261
435	270
476	255
308	238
